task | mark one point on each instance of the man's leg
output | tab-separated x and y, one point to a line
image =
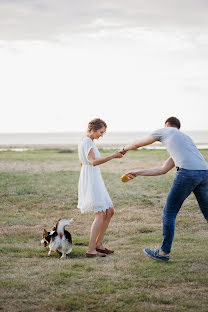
201	193
170	211
183	185
179	191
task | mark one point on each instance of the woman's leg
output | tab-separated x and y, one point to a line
107	217
95	230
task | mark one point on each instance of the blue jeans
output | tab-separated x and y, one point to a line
185	182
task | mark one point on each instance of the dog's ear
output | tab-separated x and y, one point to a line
45	232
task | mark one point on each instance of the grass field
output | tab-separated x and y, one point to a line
39	187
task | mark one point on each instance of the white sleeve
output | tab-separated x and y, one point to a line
88	144
157	134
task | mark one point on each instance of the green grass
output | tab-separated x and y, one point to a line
39	187
38	156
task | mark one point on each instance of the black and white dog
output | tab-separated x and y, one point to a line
59	239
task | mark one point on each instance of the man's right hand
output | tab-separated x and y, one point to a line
132	174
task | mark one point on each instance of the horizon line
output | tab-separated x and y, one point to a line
78	131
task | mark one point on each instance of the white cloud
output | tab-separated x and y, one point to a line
48	19
132	63
59	87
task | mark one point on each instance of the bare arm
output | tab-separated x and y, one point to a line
139	143
98	161
167	166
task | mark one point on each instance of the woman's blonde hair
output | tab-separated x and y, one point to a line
96	124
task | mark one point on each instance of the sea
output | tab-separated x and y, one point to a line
22	141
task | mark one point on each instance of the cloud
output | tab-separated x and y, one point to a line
60	55
50	19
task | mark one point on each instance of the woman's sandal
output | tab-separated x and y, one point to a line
105	251
89	255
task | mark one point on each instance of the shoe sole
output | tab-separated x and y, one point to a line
87	255
105	251
158	259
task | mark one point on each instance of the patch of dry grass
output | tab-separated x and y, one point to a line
32	200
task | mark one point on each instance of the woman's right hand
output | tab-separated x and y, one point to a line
117	154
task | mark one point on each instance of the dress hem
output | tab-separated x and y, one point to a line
91	209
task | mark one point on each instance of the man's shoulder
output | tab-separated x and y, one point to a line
160	131
164	132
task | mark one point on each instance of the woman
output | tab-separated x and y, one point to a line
92	193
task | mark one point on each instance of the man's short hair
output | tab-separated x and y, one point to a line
173	122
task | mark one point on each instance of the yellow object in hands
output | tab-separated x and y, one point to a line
125	178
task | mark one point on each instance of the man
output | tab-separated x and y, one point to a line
192	176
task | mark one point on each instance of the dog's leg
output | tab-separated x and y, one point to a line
60	253
63	257
49	253
68	251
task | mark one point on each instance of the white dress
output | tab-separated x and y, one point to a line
92	193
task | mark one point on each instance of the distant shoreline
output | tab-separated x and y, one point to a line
30	147
70	140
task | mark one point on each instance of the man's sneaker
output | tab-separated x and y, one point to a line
154	254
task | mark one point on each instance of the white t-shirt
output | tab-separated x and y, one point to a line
181	148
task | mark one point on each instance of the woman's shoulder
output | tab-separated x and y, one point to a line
86	141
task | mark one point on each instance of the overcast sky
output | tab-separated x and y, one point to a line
133	63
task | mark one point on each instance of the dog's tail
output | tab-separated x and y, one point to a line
61	225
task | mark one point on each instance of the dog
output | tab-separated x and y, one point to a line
59	239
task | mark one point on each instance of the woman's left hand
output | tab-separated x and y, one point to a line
122	151
118	154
